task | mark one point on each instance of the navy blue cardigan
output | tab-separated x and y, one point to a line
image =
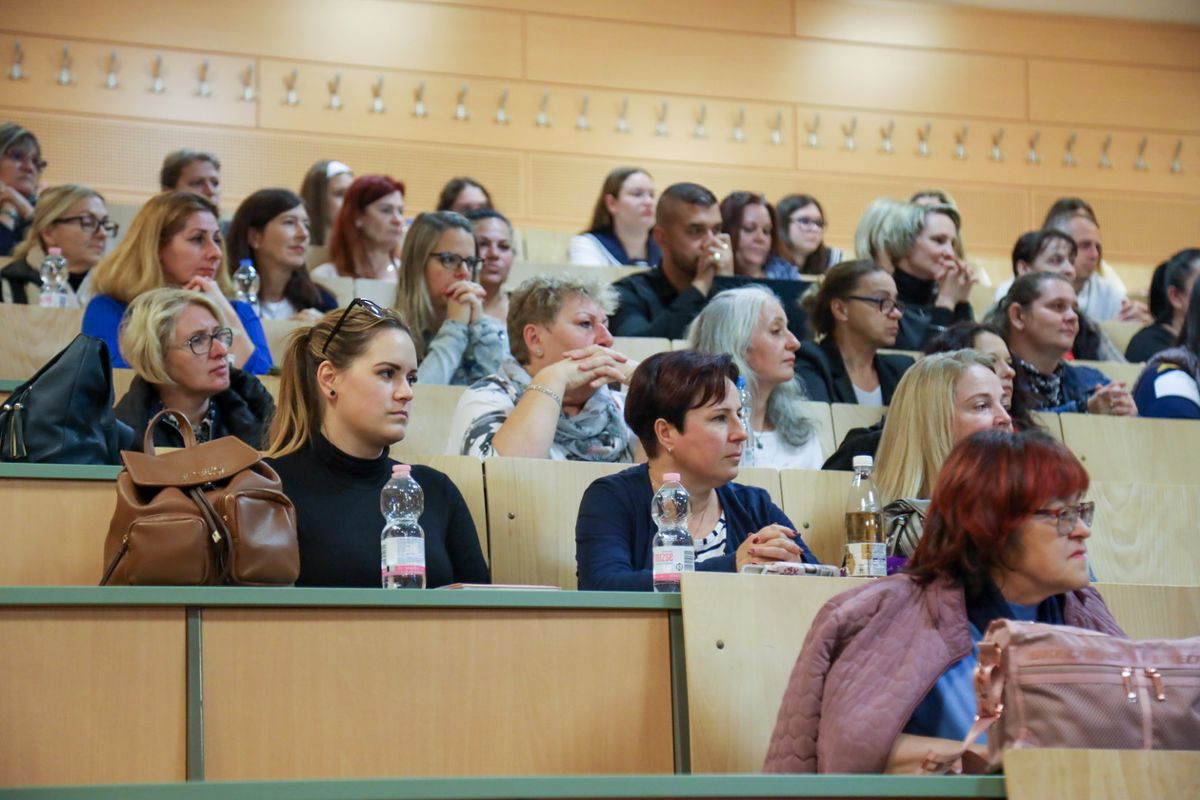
614	531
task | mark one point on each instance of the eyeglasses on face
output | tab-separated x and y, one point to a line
809	222
452	261
370	306
22	157
1066	517
90	224
886	305
201	343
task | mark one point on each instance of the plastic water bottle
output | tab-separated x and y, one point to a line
746	416
866	545
402	545
54	280
674	551
247	283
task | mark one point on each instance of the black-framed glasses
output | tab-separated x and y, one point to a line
452	261
809	222
90	224
886	305
22	157
1066	517
370	306
201	343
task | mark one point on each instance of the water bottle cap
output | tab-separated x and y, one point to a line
741	382
401	470
54	251
863	461
670	477
246	262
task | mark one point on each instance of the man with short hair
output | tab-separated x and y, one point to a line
1102	297
192	171
662	302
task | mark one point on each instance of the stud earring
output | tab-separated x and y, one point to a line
671	450
333	392
538	352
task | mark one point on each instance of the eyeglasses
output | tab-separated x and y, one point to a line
370	306
1066	517
886	305
27	158
452	261
809	222
201	343
89	224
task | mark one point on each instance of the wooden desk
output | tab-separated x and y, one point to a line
1101	774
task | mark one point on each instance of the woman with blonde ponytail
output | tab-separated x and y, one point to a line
344	400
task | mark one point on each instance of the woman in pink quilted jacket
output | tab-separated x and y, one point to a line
885	675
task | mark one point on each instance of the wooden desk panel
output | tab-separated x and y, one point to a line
1100	774
53	531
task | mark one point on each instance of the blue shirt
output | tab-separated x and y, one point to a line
102	318
1167	391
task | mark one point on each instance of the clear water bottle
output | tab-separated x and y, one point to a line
54	280
402	545
866	543
674	551
247	283
746	417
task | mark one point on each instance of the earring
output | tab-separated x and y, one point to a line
333	392
538	352
671	450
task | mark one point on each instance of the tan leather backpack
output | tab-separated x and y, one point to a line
207	514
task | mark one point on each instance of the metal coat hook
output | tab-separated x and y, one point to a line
377	106
960	142
997	139
1033	157
739	126
289	82
64	68
811	129
419	109
886	147
1106	161
460	109
776	136
923	140
1176	163
202	87
623	117
17	71
502	117
1069	155
699	131
156	73
660	128
543	116
848	130
248	93
581	122
111	81
335	92
1139	163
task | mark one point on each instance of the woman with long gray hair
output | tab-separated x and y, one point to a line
750	325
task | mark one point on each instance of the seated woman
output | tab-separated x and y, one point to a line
1170	289
802	235
931	281
621	224
750	222
175	240
494	240
178	342
868	242
21	167
683	407
940	197
464	195
1169	386
1039	320
987	340
885	675
323	189
456	341
271	229
72	218
943	399
856	313
750	325
558	332
367	232
344	400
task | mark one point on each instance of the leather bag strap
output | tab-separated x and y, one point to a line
219	533
185	428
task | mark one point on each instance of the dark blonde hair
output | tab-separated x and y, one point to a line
301	407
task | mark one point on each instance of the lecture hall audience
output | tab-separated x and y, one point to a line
753	233
620	233
367	232
21	166
193	171
1170	290
801	241
464	195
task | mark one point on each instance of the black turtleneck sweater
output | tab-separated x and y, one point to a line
922	320
338	519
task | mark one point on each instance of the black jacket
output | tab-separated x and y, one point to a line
923	320
824	373
18	275
244	410
648	305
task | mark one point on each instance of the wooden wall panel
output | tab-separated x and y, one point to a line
1137	229
760	16
769	68
1099	94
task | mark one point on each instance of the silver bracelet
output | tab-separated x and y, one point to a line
553	395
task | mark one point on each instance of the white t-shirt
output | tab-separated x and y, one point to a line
328	270
1101	298
772	451
278	309
864	398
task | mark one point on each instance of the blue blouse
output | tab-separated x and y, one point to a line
102	318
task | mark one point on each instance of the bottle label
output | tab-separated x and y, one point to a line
671	562
47	300
403	556
866	560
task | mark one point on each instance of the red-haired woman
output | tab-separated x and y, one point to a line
367	232
885	675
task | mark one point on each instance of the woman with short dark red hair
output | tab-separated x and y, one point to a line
885	675
367	232
683	406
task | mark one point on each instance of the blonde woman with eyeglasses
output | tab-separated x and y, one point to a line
74	219
177	342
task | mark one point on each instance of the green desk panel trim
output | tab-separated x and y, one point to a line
622	786
8	385
210	596
61	472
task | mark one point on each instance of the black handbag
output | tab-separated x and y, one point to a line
64	414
